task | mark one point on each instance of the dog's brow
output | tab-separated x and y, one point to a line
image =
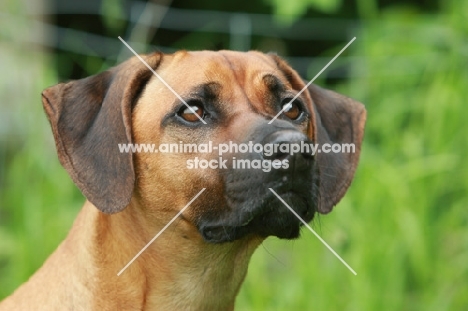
273	83
209	90
275	86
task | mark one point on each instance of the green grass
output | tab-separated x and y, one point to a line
37	199
403	226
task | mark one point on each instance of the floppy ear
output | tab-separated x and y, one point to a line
89	118
335	119
338	120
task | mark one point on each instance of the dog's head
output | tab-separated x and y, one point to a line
236	95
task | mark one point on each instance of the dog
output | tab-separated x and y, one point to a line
200	261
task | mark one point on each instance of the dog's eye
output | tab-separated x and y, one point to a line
188	114
293	111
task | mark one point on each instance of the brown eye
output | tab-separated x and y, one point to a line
293	110
193	114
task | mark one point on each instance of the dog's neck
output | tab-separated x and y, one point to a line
178	271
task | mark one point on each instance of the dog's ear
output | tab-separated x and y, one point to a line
335	119
89	118
338	120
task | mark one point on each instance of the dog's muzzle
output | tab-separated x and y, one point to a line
251	207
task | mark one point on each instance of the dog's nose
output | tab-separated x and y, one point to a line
286	144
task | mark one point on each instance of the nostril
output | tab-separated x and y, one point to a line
286	144
307	155
280	152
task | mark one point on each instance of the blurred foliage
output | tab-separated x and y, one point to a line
403	226
113	15
38	201
290	10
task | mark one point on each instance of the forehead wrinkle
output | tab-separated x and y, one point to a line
272	70
265	94
253	79
273	65
239	74
237	71
214	78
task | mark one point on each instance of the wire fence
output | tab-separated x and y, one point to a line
150	17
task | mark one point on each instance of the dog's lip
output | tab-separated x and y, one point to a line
228	230
262	211
231	227
219	234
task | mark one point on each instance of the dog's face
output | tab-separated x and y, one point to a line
236	94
